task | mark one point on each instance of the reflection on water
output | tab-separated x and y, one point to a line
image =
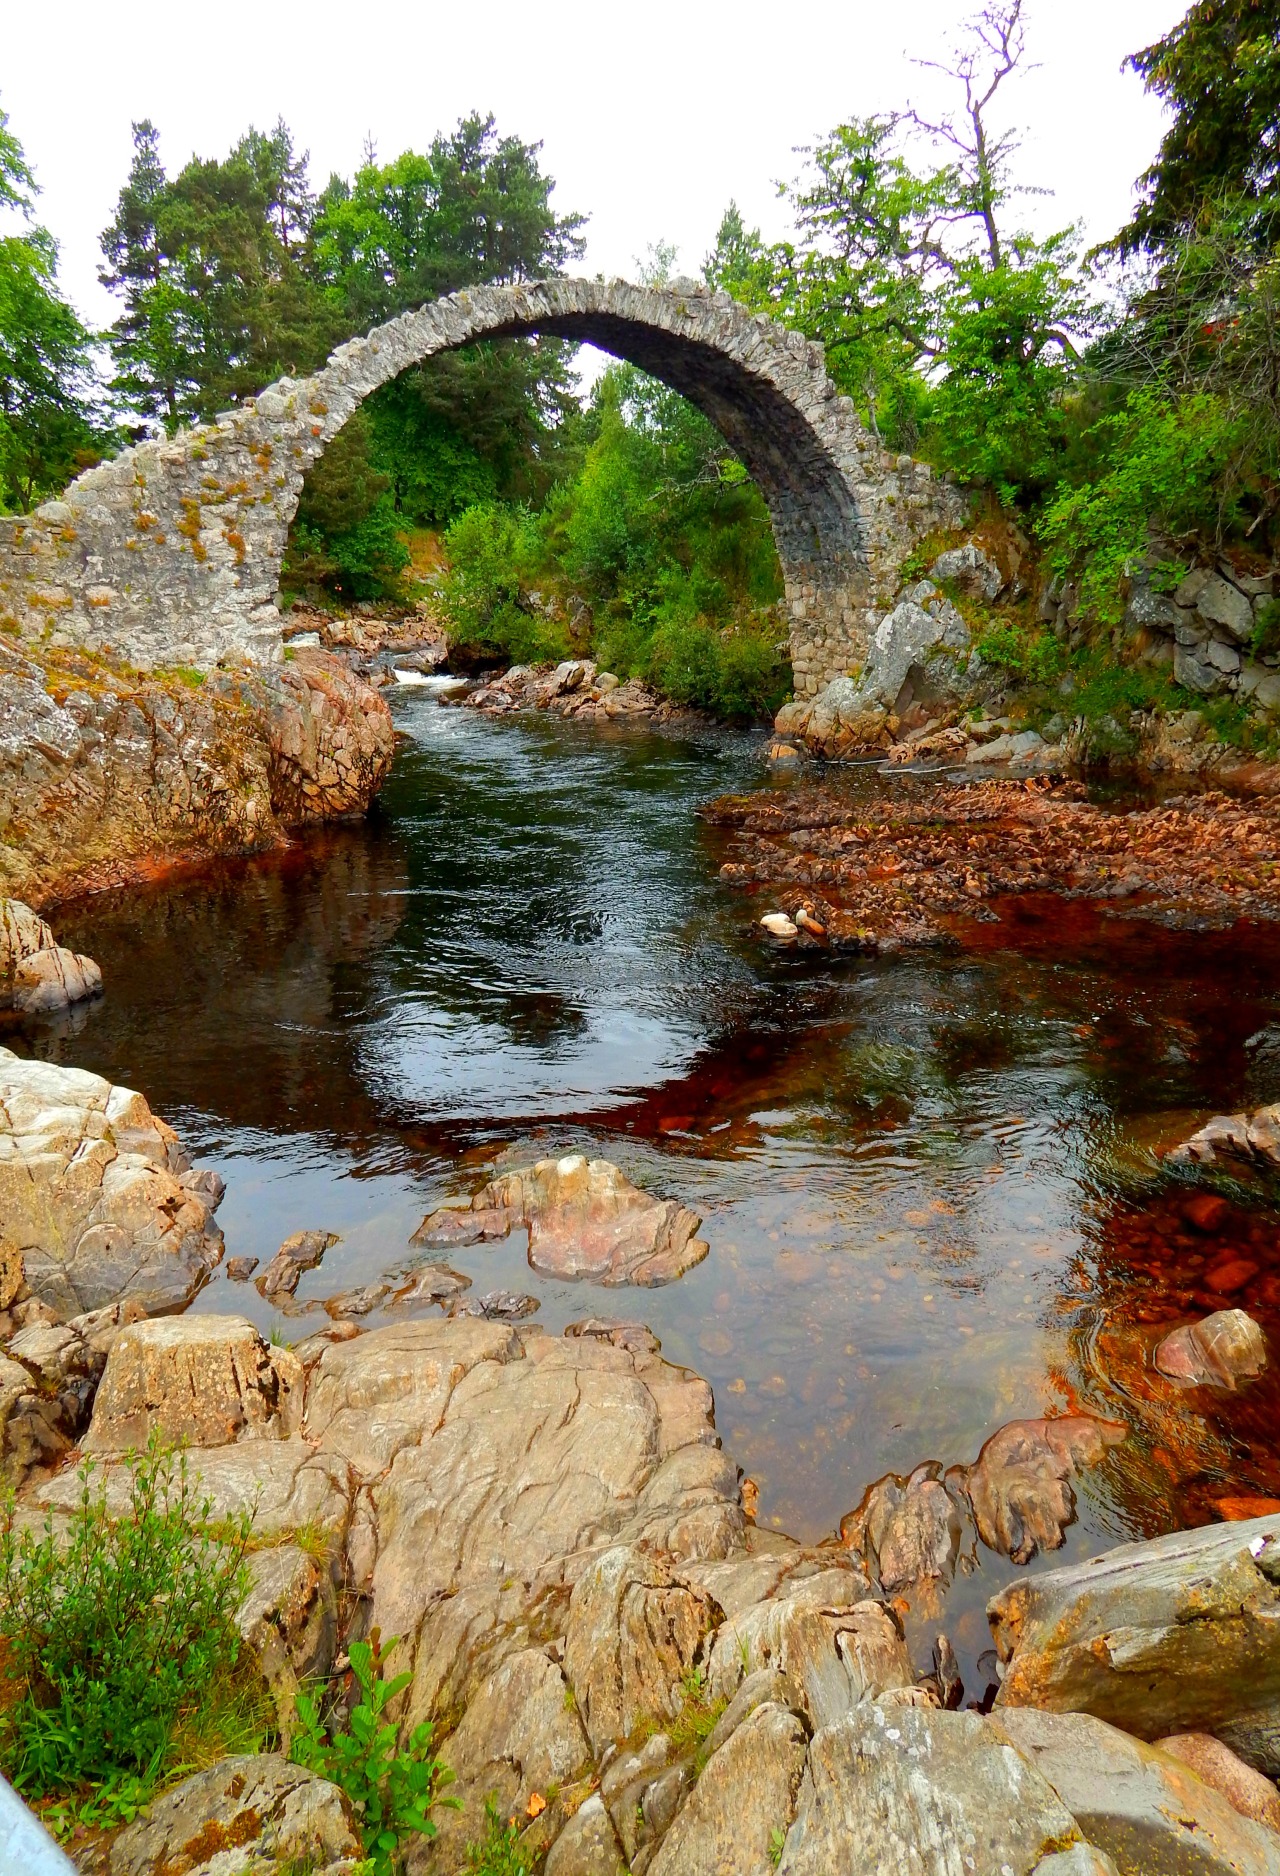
926	1180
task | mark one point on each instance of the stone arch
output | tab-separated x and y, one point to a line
170	554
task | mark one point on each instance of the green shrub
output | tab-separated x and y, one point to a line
393	1791
1157	463
491	551
500	1854
738	672
117	1635
1037	657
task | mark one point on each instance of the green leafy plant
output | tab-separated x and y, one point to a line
118	1647
777	1844
394	1791
500	1853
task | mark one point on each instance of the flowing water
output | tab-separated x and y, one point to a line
926	1180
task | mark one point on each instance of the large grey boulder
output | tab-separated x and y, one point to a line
1149	1811
97	1194
971	569
239	1815
1181	1634
920	627
888	1792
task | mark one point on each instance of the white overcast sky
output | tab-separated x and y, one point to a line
652	116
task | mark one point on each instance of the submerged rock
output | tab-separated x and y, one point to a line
1020	1487
300	1252
1220	1351
907	1531
97	1194
1239	1138
585	1219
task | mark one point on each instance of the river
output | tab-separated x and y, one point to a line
925	1178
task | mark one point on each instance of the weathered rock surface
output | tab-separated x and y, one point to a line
909	1531
1244	1789
1146	1809
745	1793
1220	1351
585	1219
37	975
549	1525
1181	1634
289	1617
195	1380
916	1793
124	773
97	1194
235	1816
632	1636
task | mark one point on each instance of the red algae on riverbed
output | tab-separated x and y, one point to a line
900	869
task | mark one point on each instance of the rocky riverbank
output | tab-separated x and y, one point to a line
613	1654
106	775
837	870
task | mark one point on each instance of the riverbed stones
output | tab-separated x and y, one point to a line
241	1813
1180	1634
1149	1811
1221	1350
194	1380
920	1793
584	1218
96	1193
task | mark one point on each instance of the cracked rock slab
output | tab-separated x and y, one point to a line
231	1818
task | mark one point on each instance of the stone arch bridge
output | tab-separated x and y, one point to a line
170	553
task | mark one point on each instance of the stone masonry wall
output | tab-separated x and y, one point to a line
170	554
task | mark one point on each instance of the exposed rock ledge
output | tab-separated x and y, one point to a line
104	774
640	1677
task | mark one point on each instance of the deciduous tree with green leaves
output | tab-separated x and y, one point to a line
51	423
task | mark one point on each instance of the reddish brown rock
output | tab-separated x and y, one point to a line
585	1219
1020	1487
1246	1790
1221	1351
300	1252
